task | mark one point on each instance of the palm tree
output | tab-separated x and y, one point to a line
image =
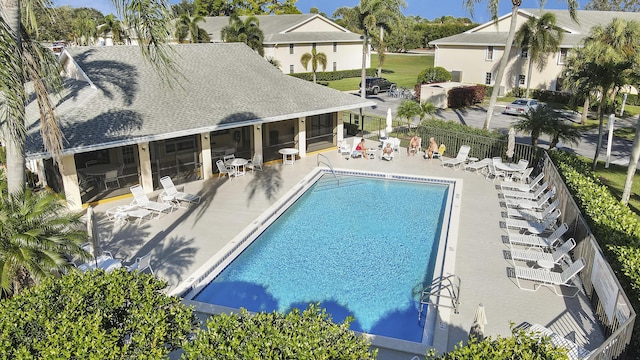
25	60
536	121
541	37
367	17
316	59
247	31
603	65
113	26
36	237
493	7
187	26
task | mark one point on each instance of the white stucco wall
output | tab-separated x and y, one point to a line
347	56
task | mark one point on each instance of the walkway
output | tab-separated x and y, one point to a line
184	240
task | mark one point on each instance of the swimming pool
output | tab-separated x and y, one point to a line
364	247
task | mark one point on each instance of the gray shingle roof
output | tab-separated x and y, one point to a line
575	31
223	86
274	26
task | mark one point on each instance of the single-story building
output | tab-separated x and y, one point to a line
117	112
288	37
475	54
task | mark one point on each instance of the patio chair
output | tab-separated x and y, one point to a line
356	153
493	172
255	163
228	157
170	193
111	177
554	257
533	214
550	278
522	177
478	166
141	263
344	148
140	199
538	241
535	227
532	186
528	195
223	170
460	159
387	157
531	203
438	154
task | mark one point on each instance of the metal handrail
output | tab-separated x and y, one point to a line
328	163
437	286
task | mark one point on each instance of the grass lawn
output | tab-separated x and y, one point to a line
401	69
614	178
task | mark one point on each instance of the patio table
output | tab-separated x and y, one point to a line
509	169
288	155
237	163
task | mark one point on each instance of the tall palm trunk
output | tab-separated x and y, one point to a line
363	74
585	111
600	123
529	70
14	144
502	67
633	164
381	51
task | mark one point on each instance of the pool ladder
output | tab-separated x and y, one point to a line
447	287
328	163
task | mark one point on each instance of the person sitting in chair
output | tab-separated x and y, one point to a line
414	144
387	152
433	147
361	149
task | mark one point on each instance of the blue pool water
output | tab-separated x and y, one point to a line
364	248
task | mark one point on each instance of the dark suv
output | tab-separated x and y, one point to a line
374	85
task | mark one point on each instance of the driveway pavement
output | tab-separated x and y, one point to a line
475	116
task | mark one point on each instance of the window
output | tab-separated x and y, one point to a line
290	69
487	78
524	53
335	66
127	155
335	47
313	46
521	80
290	48
562	55
489	54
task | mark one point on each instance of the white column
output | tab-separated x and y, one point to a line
339	127
302	137
146	176
205	156
70	182
257	139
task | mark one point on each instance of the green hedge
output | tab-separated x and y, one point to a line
335	75
614	225
542	95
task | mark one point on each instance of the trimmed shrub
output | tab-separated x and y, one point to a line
434	75
466	96
309	334
334	75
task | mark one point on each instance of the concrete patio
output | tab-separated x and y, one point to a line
181	242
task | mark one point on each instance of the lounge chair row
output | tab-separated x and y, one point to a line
536	238
143	208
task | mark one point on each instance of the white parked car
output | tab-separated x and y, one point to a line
521	106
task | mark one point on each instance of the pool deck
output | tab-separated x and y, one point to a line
181	242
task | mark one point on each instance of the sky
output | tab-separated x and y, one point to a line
427	9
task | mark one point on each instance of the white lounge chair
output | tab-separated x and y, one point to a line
255	163
438	154
387	157
532	204
460	159
344	148
223	170
539	241
522	177
529	195
535	214
575	351
513	185
547	278
141	263
477	166
140	199
170	193
534	227
553	257
123	213
356	153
